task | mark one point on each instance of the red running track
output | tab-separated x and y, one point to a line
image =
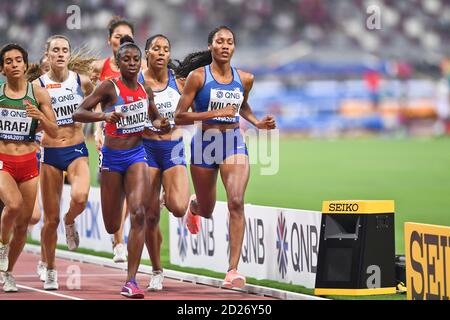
104	283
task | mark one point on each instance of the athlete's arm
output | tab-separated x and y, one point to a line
153	114
86	85
103	94
268	121
45	115
96	69
182	116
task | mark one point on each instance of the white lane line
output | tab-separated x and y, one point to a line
49	292
61	275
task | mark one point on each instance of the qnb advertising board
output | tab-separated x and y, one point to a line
427	252
90	225
279	244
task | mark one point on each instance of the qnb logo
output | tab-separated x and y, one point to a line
219	94
282	245
343	207
124	109
182	238
5	113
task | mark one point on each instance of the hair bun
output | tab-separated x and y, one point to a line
126	38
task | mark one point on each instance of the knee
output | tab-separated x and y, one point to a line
236	205
52	222
177	208
112	228
137	217
79	199
21	228
152	218
15	207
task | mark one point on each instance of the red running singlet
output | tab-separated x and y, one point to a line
133	104
108	73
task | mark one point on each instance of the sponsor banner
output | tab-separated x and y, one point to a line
90	224
427	251
279	244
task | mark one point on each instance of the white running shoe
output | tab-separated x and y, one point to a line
120	253
156	281
9	282
41	270
4	250
51	280
72	237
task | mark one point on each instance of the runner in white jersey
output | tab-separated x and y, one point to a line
165	151
67	152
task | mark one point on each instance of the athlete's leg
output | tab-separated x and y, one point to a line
36	216
136	186
235	172
51	181
112	194
78	175
12	199
118	236
204	180
176	187
28	190
153	237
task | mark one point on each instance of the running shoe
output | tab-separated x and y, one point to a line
4	250
9	282
41	270
234	279
51	280
131	290
120	253
72	236
192	221
156	281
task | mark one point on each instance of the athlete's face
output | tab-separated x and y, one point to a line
13	64
58	54
222	47
130	63
158	53
119	32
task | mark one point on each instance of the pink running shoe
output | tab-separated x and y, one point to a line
234	279
192	221
131	290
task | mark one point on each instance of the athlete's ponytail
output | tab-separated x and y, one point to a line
198	59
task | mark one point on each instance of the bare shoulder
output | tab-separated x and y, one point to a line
41	94
247	78
197	76
97	65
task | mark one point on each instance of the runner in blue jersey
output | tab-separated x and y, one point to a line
219	93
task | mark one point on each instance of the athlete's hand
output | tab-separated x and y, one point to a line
267	122
113	117
228	111
162	124
33	112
